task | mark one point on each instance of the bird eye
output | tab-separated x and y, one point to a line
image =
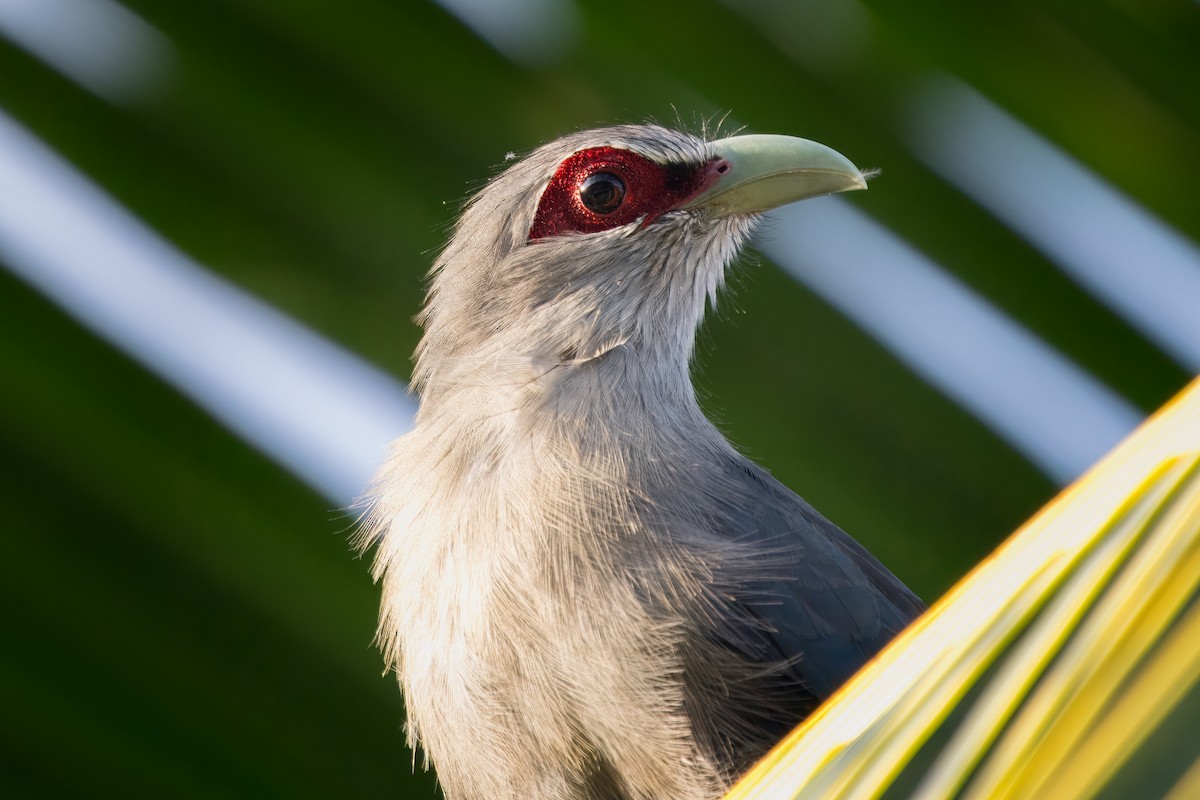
602	192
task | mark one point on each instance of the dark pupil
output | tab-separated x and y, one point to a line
602	193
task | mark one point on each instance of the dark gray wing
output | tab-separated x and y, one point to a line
809	608
830	605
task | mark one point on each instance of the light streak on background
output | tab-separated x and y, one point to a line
99	44
524	31
1126	257
1056	414
310	405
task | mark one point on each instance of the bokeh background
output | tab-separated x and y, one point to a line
215	219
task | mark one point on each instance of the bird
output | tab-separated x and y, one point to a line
586	590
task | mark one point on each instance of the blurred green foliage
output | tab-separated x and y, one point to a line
188	620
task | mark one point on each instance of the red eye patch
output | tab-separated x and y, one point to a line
649	190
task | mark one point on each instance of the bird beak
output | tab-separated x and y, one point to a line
760	172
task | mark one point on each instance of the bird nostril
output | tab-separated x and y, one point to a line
722	167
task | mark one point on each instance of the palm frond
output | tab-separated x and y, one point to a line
1066	665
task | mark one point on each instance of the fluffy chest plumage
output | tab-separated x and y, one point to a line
531	608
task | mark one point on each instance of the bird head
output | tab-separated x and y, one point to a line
605	239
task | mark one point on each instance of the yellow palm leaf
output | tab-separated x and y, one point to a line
1066	665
